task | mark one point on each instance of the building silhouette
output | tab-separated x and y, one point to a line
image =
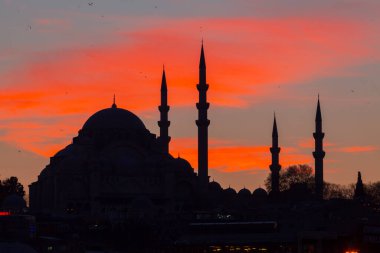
116	170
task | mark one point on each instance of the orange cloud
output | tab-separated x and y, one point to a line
247	59
231	157
310	143
270	52
358	149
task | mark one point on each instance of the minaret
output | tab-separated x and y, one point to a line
114	102
275	167
164	124
318	154
359	189
202	124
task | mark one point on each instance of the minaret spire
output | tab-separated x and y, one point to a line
359	189
274	131
318	117
203	122
164	123
318	154
114	102
202	67
275	167
163	81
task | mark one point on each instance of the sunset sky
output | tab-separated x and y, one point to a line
61	61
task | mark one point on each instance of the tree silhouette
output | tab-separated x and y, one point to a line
373	192
294	174
336	191
11	186
302	174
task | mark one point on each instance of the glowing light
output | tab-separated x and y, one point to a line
5	213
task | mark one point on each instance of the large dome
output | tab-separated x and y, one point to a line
114	118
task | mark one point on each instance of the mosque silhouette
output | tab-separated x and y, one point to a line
119	173
116	168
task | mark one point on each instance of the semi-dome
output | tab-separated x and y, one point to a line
114	118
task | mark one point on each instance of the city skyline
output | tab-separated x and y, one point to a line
49	92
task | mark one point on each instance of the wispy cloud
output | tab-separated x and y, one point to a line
358	149
75	57
310	143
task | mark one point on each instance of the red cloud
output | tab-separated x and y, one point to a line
52	23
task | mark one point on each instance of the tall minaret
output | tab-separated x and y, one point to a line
164	124
202	124
359	189
275	167
318	154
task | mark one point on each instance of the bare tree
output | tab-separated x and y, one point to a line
336	191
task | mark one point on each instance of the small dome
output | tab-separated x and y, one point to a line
260	193
230	191
244	193
14	202
214	186
183	164
114	118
